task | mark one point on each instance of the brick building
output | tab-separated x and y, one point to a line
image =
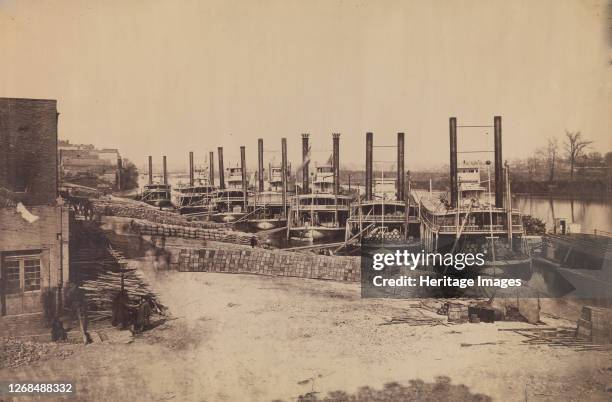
85	165
34	225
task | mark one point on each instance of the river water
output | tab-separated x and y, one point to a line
591	215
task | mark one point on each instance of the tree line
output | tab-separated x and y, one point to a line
569	166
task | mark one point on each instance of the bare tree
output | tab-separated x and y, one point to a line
550	154
574	145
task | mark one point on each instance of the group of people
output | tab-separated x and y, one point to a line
136	317
82	206
127	315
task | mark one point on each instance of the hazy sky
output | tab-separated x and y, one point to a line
166	77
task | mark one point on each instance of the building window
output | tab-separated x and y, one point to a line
31	275
12	277
21	273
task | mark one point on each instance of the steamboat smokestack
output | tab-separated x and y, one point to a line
211	168
454	186
221	171
305	163
499	169
400	167
284	173
164	170
119	172
369	165
336	162
244	176
191	168
150	169
260	164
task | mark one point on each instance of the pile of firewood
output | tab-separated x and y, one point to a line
102	276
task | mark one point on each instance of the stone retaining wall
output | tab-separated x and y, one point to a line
245	260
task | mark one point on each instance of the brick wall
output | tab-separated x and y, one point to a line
28	143
41	236
245	260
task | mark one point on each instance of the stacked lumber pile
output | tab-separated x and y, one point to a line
99	271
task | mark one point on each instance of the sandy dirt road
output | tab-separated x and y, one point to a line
255	338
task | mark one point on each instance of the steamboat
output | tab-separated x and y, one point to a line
229	204
157	194
381	219
322	214
193	198
268	208
380	216
475	221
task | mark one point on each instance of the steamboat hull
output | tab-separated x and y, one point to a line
508	263
266	224
194	210
160	203
227	217
317	233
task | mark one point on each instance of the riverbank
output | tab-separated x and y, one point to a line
239	337
577	189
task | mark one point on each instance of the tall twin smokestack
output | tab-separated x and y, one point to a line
243	171
284	173
369	165
499	168
221	171
499	174
150	169
164	170
399	182
119	173
191	178
454	186
305	163
336	162
211	168
260	165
